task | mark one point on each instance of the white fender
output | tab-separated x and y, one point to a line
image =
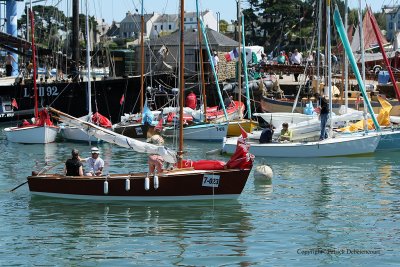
156	183
127	184
147	183
105	187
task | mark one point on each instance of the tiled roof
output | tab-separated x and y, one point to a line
191	36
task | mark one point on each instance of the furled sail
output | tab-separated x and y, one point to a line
115	138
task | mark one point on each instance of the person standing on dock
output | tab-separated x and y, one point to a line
296	60
9	61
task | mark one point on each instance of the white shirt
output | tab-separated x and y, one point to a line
215	61
94	165
296	58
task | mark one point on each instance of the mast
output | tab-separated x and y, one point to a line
329	61
346	62
181	83
240	59
246	78
142	62
89	86
34	63
319	44
75	38
203	86
378	38
360	22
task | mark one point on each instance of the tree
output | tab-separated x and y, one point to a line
223	26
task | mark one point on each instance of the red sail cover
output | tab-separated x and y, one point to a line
44	118
99	119
241	159
191	100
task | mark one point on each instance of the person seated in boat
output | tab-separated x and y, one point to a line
95	164
286	134
228	101
156	138
266	134
73	166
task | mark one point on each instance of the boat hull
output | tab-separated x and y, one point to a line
278	105
132	130
32	134
180	185
206	132
77	134
332	147
247	125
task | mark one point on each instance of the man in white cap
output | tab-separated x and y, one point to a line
95	164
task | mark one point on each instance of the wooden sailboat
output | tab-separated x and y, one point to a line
42	131
202	180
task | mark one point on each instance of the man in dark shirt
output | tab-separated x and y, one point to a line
266	135
323	117
73	166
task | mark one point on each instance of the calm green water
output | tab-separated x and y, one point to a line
316	212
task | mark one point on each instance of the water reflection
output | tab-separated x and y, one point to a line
180	229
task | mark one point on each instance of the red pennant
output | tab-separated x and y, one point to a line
14	103
122	99
243	132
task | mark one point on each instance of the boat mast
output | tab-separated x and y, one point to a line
346	62
360	22
181	83
379	39
329	61
142	60
75	39
240	59
246	78
203	86
319	45
89	86
34	63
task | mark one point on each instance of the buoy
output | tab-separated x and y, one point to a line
105	187
127	184
147	183
263	172
155	181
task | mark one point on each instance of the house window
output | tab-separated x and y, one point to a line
191	19
155	27
162	27
170	27
184	19
390	25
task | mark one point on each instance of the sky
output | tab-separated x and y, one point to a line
116	9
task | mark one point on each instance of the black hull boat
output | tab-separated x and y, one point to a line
17	101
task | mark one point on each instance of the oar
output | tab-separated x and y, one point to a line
40	172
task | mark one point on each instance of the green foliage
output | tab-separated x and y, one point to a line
223	26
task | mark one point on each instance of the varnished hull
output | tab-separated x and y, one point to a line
279	105
132	130
181	185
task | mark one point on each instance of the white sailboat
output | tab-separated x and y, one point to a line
73	133
333	146
42	131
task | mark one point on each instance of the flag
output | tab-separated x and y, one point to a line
122	99
233	55
243	132
14	103
159	125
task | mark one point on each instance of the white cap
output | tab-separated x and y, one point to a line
95	150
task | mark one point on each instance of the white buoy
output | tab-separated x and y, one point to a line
156	184
127	185
263	172
147	183
105	187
